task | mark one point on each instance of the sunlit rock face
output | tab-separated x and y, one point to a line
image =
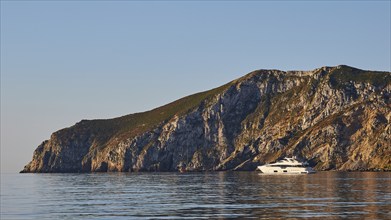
337	118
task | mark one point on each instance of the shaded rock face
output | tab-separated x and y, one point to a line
337	118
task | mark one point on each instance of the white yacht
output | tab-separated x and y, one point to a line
286	166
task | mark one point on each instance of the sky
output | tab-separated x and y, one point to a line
64	61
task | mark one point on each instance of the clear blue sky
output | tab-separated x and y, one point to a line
70	60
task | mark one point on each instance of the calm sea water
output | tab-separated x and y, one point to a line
326	195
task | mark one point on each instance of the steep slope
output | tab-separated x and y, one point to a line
338	118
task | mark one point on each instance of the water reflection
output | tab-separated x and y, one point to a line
330	195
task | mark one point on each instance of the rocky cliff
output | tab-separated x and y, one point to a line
337	118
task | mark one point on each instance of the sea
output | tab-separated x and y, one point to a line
203	195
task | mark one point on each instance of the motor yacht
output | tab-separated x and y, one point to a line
286	166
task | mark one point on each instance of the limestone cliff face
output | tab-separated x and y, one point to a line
338	118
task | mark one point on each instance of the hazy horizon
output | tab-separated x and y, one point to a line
62	62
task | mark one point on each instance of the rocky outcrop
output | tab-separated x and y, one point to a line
338	118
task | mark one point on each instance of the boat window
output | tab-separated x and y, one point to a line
298	166
285	171
275	171
282	166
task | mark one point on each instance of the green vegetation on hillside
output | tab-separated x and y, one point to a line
105	131
149	119
134	124
344	74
